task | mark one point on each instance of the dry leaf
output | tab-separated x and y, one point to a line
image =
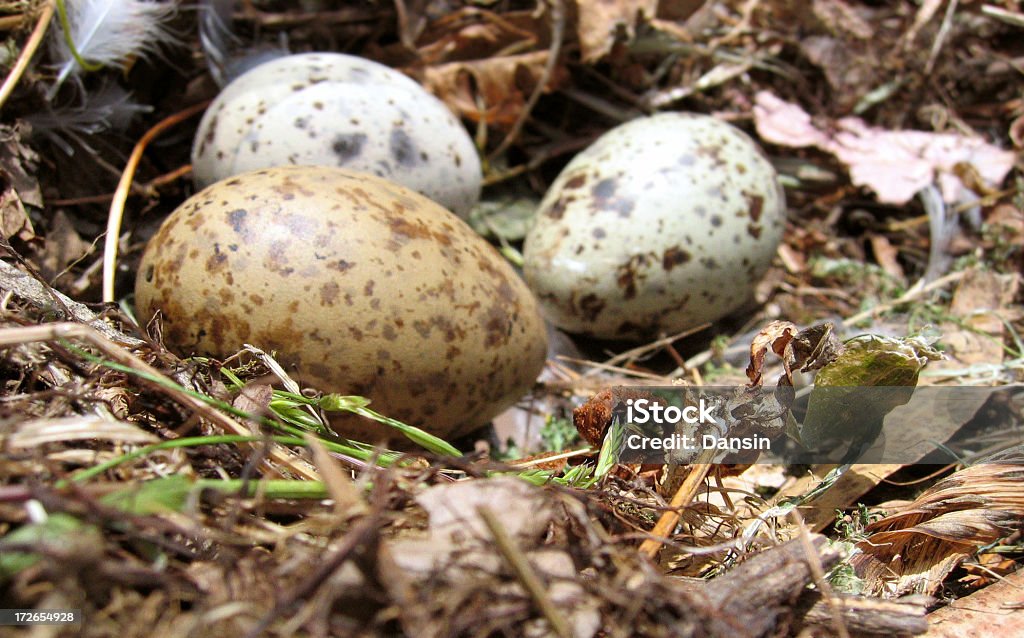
775	336
63	246
502	85
913	550
600	22
982	303
894	164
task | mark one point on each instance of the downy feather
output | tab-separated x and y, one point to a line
108	32
227	56
109	108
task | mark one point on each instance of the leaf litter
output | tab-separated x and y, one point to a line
194	497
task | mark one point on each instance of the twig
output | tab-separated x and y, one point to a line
818	572
557	29
40	295
8	23
682	498
636	353
121	194
525	573
148	189
940	38
907	297
27	52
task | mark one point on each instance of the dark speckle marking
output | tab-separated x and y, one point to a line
341	265
329	293
557	210
347	147
402	148
604	189
756	204
576	182
590	306
237	220
716	221
674	256
598	233
754	231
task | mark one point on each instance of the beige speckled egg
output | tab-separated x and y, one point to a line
333	109
662	224
360	286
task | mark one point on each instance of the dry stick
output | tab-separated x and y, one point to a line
65	331
557	29
663	529
818	572
909	296
940	38
147	188
26	53
639	351
525	573
121	194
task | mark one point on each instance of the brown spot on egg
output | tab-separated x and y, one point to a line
591	306
575	182
674	256
755	204
329	293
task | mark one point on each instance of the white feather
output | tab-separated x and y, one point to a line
227	56
108	32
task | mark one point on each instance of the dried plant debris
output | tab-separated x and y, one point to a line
167	495
913	549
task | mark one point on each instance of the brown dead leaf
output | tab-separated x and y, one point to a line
913	550
887	256
63	247
14	221
18	166
472	33
502	85
775	336
599	24
981	303
987	569
593	417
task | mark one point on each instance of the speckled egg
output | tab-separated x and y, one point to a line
662	224
332	109
360	286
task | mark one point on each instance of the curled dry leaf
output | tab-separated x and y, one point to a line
494	90
599	24
914	549
775	336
